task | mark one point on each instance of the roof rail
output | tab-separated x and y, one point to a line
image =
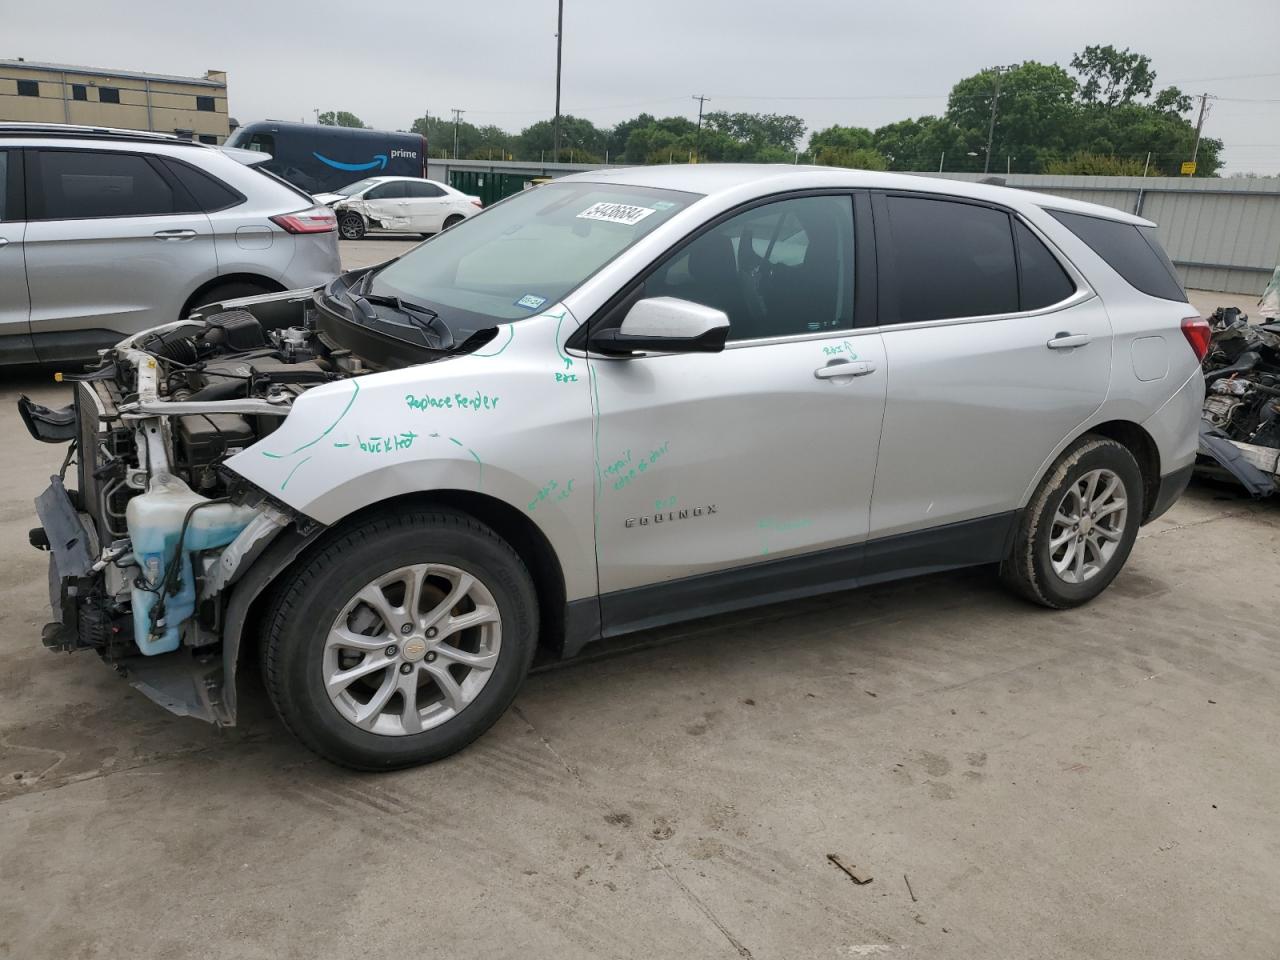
71	131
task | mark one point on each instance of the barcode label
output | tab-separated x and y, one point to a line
616	213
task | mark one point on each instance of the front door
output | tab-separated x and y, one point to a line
15	307
708	462
107	252
984	383
388	206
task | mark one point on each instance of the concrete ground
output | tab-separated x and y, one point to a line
1018	783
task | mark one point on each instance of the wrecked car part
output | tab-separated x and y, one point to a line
1240	433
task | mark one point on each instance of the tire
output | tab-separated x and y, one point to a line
1044	565
231	290
317	613
351	226
452	221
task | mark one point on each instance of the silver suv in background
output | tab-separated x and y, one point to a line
104	233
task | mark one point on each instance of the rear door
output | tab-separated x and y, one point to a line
428	205
108	253
15	306
996	351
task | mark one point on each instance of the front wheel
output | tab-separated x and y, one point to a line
401	640
351	226
1079	527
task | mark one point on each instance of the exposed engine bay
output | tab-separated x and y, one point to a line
1240	435
155	530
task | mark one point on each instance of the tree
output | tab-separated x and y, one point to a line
581	141
340	118
843	138
1112	77
1033	114
920	144
1095	165
859	158
757	130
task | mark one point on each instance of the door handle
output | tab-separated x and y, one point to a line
1065	341
845	368
174	234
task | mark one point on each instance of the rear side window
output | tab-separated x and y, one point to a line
82	184
424	190
4	183
1042	281
208	193
947	260
1131	251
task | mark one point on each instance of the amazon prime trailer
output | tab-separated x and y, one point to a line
321	159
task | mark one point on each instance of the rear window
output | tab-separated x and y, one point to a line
1130	250
209	194
1042	281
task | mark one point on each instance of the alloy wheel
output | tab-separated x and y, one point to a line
412	649
1088	526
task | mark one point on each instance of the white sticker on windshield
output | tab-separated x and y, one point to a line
616	213
530	301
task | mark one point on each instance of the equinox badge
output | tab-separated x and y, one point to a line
671	516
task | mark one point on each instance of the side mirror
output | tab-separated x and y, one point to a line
665	325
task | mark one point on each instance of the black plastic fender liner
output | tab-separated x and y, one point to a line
45	423
274	560
1215	445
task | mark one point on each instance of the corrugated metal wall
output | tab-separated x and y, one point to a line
1222	235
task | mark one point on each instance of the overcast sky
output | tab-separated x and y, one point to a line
391	61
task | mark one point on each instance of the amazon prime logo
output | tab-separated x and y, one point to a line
671	516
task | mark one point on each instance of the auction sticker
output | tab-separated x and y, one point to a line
624	213
530	301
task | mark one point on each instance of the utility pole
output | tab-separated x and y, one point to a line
457	115
1204	101
697	143
559	47
991	128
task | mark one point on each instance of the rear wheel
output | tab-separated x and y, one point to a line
401	641
1079	527
351	226
231	290
453	220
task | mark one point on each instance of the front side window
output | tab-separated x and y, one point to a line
777	270
944	259
527	252
108	95
82	184
387	191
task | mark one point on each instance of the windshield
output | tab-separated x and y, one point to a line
351	189
526	252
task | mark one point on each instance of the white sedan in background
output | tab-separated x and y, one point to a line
402	204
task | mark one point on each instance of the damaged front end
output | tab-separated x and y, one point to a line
1240	430
149	533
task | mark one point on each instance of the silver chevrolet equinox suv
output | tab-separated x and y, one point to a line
104	233
618	400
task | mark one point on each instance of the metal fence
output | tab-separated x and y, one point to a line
1222	235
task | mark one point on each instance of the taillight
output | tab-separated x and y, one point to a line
1198	334
477	203
317	219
